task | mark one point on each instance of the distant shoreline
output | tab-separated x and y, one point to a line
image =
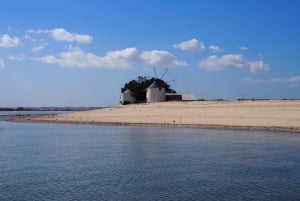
26	109
277	115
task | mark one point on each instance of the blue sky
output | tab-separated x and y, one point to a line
80	53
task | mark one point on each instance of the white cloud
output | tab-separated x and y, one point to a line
27	37
294	79
161	58
39	48
1	63
192	45
291	80
235	61
20	57
215	48
120	58
125	58
243	48
8	41
61	34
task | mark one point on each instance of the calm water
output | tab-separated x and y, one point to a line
84	162
6	115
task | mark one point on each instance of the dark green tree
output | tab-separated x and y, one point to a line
139	86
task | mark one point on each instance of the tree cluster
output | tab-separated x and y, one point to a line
139	86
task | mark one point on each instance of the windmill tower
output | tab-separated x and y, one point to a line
126	97
156	92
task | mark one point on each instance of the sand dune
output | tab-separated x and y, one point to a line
270	114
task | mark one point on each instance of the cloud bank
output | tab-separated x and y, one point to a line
233	61
125	58
192	45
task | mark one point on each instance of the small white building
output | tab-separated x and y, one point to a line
155	93
188	97
126	97
180	97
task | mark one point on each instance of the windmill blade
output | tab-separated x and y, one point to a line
171	81
162	77
154	72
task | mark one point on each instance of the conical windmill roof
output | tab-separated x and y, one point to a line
156	85
127	91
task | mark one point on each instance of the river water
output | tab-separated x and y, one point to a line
87	162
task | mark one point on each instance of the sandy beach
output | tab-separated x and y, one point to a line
269	114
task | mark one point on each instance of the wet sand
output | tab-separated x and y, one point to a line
269	114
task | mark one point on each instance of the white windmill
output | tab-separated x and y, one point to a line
156	92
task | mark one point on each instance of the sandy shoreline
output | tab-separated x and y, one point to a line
271	114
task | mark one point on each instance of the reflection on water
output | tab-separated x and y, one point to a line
82	162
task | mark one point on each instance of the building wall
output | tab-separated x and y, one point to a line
188	97
173	97
156	95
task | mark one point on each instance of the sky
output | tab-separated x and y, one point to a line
82	52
